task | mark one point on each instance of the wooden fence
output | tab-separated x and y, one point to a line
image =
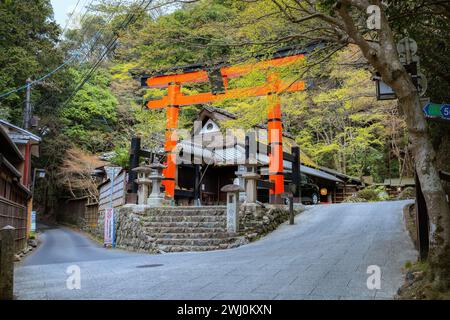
344	192
15	215
118	195
91	215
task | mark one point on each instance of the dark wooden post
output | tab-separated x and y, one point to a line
291	209
197	185
7	263
423	224
247	150
134	163
296	173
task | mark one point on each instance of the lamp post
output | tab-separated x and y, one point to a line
41	174
384	92
111	173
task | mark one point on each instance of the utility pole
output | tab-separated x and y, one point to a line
27	111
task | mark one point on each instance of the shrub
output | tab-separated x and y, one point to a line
369	194
407	193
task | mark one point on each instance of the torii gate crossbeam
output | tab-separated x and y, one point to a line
272	89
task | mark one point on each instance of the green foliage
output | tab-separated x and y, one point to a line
186	36
407	193
91	113
374	193
370	194
336	121
429	27
121	156
28	35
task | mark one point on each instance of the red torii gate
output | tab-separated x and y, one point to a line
272	88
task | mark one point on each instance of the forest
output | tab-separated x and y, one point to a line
337	122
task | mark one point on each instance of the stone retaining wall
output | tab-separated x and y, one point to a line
256	222
132	234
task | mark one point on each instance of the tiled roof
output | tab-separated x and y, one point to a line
18	134
319	174
8	147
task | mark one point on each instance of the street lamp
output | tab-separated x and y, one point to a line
40	174
384	92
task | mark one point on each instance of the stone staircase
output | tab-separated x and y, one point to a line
189	229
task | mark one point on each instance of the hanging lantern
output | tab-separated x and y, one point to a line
323	191
384	92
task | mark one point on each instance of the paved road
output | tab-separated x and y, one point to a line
324	256
62	245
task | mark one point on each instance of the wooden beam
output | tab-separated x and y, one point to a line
134	163
286	156
296	171
184	193
263	184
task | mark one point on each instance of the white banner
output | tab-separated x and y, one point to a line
109	227
33	221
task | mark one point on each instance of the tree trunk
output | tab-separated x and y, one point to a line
424	159
384	58
432	188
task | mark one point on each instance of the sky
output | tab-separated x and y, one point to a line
62	8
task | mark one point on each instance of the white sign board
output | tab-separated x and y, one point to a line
33	221
109	227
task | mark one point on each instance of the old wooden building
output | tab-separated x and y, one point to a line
212	159
14	195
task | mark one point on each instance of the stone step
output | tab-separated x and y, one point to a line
193	208
171	248
182	230
185	219
193	242
195	235
216	224
188	212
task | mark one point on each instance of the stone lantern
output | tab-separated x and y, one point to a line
251	178
143	182
232	191
156	198
241	181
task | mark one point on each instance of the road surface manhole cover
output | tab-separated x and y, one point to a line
150	265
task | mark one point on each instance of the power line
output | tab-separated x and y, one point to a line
57	68
70	18
126	22
38	80
110	45
97	35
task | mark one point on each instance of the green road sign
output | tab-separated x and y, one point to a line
437	110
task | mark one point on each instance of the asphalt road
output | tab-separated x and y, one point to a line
63	245
325	255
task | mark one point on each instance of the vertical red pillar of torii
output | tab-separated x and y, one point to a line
272	88
172	113
275	139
